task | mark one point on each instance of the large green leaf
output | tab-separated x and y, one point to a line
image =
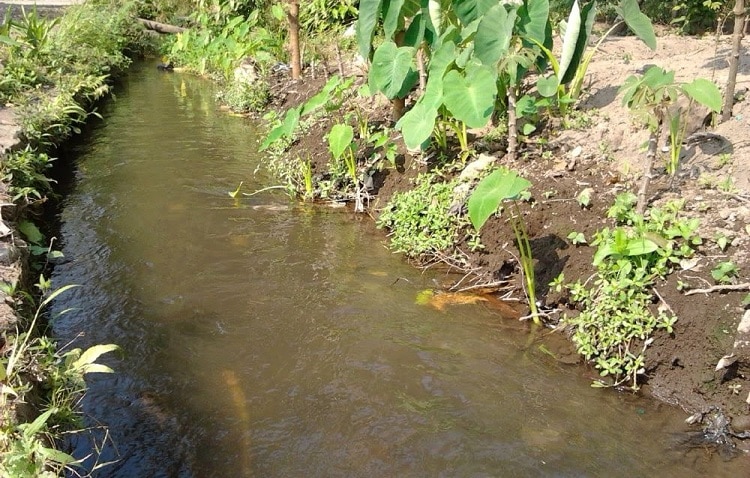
704	92
471	10
393	20
500	185
415	33
417	124
577	32
369	11
534	18
339	139
31	232
392	72
493	35
471	97
637	22
435	10
439	64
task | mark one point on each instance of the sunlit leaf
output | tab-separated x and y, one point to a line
704	92
491	191
637	22
470	97
369	10
339	139
417	124
393	71
493	35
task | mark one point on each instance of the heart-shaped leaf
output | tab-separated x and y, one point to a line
470	97
417	124
393	72
339	139
704	92
491	191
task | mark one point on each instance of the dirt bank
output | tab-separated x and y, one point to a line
603	151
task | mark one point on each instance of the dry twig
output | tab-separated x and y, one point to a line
719	288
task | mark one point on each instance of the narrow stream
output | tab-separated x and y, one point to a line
264	338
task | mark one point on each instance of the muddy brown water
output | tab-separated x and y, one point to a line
264	338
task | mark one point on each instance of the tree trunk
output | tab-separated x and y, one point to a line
398	105
293	17
734	60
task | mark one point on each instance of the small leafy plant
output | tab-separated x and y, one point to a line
418	219
725	272
341	145
576	238
615	323
651	98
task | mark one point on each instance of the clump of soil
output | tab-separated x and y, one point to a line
604	152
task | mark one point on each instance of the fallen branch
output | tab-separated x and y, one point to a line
161	27
719	288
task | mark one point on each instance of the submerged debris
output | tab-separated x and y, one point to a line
716	434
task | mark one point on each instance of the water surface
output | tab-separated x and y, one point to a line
265	338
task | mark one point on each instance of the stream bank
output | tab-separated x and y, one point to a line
599	153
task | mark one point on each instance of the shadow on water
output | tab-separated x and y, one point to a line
263	338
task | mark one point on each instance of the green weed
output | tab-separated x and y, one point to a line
418	219
616	321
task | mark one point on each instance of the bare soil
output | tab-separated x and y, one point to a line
604	151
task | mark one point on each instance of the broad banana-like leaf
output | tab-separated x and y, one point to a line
577	32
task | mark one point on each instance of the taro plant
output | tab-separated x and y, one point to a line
652	99
569	72
506	185
327	98
341	145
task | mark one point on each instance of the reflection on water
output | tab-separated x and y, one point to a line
277	341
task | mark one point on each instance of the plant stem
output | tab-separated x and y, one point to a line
512	124
527	260
653	141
